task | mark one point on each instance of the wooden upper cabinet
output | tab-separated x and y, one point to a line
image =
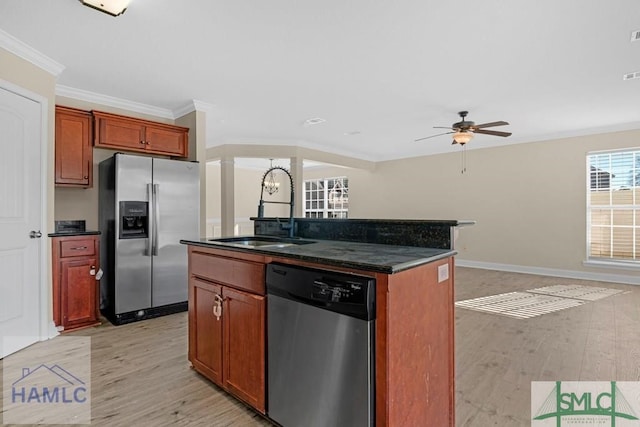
119	133
129	134
164	140
74	153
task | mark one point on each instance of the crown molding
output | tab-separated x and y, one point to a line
26	52
184	110
203	106
112	101
193	105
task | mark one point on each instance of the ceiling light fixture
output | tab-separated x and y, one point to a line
462	137
314	121
270	184
111	7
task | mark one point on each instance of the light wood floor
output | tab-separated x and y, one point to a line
497	357
141	376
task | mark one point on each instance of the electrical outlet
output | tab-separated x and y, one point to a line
443	272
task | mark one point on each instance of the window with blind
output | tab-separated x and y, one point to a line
326	198
613	206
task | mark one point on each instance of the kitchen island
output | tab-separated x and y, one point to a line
413	327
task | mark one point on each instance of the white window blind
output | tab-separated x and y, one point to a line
326	198
613	206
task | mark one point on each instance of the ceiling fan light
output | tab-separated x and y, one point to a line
462	137
112	7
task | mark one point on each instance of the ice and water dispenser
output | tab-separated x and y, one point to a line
134	220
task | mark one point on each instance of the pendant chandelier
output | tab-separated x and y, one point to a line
270	184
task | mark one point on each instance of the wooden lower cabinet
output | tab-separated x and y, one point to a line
75	288
227	329
79	293
205	330
244	346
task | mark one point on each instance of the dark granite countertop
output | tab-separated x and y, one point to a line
74	233
362	256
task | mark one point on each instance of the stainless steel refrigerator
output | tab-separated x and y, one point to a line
146	205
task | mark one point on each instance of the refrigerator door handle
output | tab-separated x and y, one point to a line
156	219
148	250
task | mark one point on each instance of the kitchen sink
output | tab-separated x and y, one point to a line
261	241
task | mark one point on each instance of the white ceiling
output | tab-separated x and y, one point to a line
389	70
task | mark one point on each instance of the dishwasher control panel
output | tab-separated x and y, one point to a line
327	289
335	291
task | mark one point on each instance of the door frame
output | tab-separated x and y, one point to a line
47	328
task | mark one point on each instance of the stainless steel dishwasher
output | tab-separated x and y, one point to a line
320	345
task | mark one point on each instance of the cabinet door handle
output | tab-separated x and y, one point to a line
217	306
78	248
142	142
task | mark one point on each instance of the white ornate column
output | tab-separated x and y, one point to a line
297	173
227	201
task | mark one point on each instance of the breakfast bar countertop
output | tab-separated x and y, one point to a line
362	256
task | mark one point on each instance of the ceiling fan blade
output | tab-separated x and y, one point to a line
492	124
492	132
443	127
433	136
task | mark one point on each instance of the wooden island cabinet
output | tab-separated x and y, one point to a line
414	332
226	322
75	288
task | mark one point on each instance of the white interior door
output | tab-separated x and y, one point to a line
20	214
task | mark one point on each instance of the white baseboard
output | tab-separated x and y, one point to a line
570	274
52	331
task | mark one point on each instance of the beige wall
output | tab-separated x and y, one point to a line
196	122
529	200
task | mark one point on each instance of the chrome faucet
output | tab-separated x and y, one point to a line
289	226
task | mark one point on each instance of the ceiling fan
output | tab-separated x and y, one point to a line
464	130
